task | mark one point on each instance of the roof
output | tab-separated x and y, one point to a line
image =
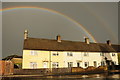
11	57
64	45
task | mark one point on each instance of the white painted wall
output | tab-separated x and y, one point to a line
63	58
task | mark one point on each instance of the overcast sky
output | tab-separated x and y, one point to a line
99	19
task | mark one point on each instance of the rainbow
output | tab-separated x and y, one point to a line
53	11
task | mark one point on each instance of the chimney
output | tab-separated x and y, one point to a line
87	40
25	34
109	42
58	37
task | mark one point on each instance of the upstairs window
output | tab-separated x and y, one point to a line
69	54
86	54
55	54
102	54
113	54
34	52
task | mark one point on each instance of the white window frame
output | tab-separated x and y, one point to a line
69	54
102	54
113	54
102	63
33	65
55	64
86	54
70	64
55	53
32	52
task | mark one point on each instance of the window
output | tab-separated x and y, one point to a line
34	52
33	65
55	54
69	54
114	62
102	54
113	54
102	63
55	64
86	54
70	64
86	64
45	64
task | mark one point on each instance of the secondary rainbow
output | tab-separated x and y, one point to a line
53	11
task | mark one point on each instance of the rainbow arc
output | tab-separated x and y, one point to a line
88	34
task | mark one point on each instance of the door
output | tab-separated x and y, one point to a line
45	64
78	64
95	64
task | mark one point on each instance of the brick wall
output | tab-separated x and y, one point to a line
41	71
6	67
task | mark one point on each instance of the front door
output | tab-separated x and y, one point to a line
95	64
45	64
78	64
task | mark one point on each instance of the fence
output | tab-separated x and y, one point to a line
56	71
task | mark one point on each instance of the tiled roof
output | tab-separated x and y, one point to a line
64	45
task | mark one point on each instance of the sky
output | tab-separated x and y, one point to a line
60	0
72	20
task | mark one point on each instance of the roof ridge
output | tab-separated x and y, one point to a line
68	40
66	45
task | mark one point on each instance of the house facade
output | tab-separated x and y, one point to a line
48	53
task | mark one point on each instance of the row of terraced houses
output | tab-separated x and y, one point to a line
49	53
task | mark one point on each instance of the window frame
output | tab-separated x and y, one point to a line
102	54
69	54
70	64
102	63
55	64
33	65
86	54
113	54
55	54
33	52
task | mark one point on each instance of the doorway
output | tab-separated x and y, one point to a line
95	64
45	64
78	64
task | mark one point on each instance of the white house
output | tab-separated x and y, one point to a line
48	53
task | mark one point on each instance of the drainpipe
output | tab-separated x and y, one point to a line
50	61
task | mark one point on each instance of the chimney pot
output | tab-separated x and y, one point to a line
87	40
25	34
58	38
109	42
